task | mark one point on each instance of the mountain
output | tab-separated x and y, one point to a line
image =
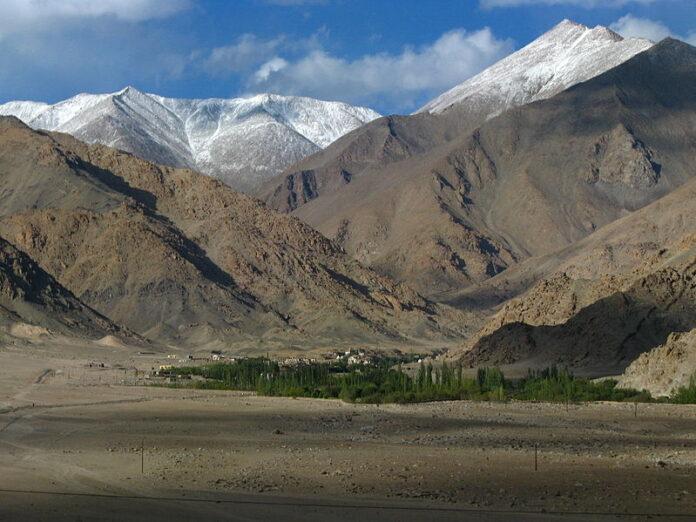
566	55
598	303
569	54
241	141
526	183
664	369
180	257
31	301
605	336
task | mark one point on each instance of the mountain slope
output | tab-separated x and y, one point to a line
638	312
30	296
599	302
564	56
241	141
664	369
560	168
180	257
569	54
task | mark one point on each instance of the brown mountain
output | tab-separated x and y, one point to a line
524	184
177	256
31	300
666	368
599	303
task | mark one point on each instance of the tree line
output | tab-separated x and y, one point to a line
382	383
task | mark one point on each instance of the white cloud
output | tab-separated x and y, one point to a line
589	4
68	46
404	78
273	65
248	51
634	27
17	14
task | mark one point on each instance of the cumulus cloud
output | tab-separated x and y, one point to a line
247	51
404	78
487	4
634	27
18	13
68	46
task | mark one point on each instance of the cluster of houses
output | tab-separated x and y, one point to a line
354	357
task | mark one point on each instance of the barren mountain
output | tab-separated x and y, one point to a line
566	55
31	302
635	315
176	255
242	141
664	369
599	302
526	183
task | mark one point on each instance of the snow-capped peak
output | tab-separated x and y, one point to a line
243	141
568	54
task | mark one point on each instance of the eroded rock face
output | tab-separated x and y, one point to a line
664	369
32	302
602	325
621	159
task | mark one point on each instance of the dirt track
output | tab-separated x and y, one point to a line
237	456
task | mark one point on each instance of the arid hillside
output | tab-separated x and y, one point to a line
527	183
32	303
177	256
599	303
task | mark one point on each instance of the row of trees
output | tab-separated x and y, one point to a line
380	383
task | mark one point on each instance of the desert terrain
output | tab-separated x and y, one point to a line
81	441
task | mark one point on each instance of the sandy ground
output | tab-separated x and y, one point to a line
84	443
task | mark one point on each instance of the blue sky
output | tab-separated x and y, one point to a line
390	55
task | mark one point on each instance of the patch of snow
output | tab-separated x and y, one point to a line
568	54
242	141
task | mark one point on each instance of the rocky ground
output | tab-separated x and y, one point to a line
66	427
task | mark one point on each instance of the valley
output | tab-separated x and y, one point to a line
78	430
239	301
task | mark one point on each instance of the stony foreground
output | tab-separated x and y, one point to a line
80	441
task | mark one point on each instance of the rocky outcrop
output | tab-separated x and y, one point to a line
33	303
664	369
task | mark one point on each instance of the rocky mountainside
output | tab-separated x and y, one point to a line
241	141
598	303
617	321
568	54
664	369
526	183
178	256
31	301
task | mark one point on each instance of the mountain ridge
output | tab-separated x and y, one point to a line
239	140
177	256
568	54
460	212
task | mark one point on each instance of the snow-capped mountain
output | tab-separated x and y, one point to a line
568	54
242	141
